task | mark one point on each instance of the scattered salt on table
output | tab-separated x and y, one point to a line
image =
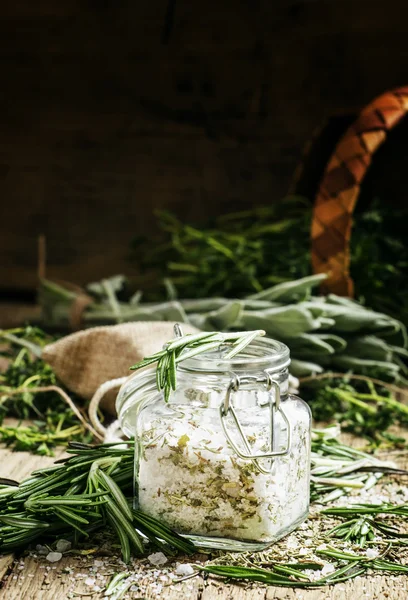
54	556
184	570
157	559
63	545
327	569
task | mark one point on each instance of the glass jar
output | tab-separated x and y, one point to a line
226	461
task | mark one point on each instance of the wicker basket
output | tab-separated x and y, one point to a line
340	187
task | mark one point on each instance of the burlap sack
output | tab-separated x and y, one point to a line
85	360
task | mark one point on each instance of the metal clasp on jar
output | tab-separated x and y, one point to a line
227	407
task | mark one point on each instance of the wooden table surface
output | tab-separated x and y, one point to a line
26	577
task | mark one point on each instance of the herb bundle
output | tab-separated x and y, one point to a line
238	254
323	332
78	496
336	468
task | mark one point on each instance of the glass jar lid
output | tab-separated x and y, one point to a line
263	354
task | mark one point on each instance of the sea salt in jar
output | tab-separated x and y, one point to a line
226	461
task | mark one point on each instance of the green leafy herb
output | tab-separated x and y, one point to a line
29	390
248	251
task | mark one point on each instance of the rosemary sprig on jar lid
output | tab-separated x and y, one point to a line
189	346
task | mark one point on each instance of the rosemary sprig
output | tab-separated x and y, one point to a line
291	575
189	346
336	468
78	496
362	529
369	509
285	576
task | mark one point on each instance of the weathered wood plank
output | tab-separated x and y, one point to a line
5	565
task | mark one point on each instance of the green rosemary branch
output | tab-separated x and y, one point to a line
362	529
78	496
336	468
188	346
368	509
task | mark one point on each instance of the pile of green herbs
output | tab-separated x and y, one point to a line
92	489
235	255
245	252
78	496
42	420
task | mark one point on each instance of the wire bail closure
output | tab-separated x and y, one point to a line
226	407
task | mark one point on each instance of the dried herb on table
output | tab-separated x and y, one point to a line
339	564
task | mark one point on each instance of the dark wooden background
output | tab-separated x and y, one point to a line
110	109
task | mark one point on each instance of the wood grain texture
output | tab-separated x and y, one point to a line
110	110
28	577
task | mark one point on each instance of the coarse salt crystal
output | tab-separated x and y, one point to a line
54	556
157	559
327	569
184	570
90	581
98	563
63	545
372	553
42	549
